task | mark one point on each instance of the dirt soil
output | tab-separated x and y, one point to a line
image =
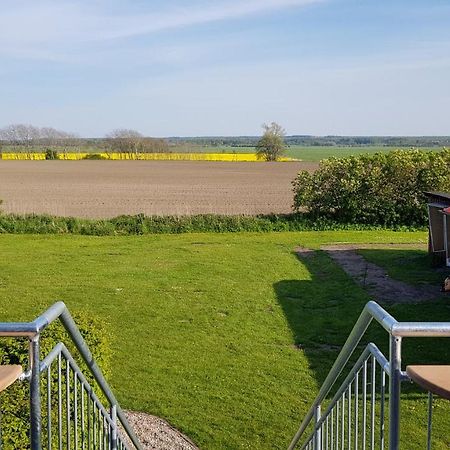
374	278
101	189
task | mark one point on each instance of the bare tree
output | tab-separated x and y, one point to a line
28	137
132	142
124	140
57	140
19	134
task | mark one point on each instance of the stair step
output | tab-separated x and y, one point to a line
435	379
9	374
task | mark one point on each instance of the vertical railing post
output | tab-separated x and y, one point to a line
35	394
395	357
430	419
317	433
1	439
114	427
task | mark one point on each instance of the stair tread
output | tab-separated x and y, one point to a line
435	379
9	374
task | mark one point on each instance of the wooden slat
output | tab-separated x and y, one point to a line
436	228
435	379
9	374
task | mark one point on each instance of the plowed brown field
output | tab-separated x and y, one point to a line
100	189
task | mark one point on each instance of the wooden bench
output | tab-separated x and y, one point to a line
434	379
9	374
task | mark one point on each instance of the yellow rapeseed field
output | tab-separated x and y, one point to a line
144	156
29	156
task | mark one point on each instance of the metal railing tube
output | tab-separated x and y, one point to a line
80	344
380	315
114	427
47	361
16	329
318	432
352	341
370	350
371	311
32	330
49	316
430	419
396	331
35	395
84	382
395	357
421	329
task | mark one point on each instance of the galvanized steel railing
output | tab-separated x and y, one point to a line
356	417
75	417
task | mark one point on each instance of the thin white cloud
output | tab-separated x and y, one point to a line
55	23
132	26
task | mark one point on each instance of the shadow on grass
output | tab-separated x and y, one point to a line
414	266
322	311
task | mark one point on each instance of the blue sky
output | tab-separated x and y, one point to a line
188	68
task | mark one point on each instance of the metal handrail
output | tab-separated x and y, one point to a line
32	330
370	350
396	330
60	348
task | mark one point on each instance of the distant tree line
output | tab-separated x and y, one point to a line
27	135
314	141
28	139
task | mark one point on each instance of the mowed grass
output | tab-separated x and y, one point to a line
227	336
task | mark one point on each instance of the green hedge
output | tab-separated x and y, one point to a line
15	421
140	224
381	189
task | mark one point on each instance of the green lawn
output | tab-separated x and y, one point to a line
221	334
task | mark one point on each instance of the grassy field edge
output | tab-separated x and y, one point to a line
204	223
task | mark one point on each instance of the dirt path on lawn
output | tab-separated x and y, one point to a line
373	278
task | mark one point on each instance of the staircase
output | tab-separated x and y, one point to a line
364	413
66	411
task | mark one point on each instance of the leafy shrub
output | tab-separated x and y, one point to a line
94	156
15	399
51	153
385	189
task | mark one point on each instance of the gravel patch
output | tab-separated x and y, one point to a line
155	433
